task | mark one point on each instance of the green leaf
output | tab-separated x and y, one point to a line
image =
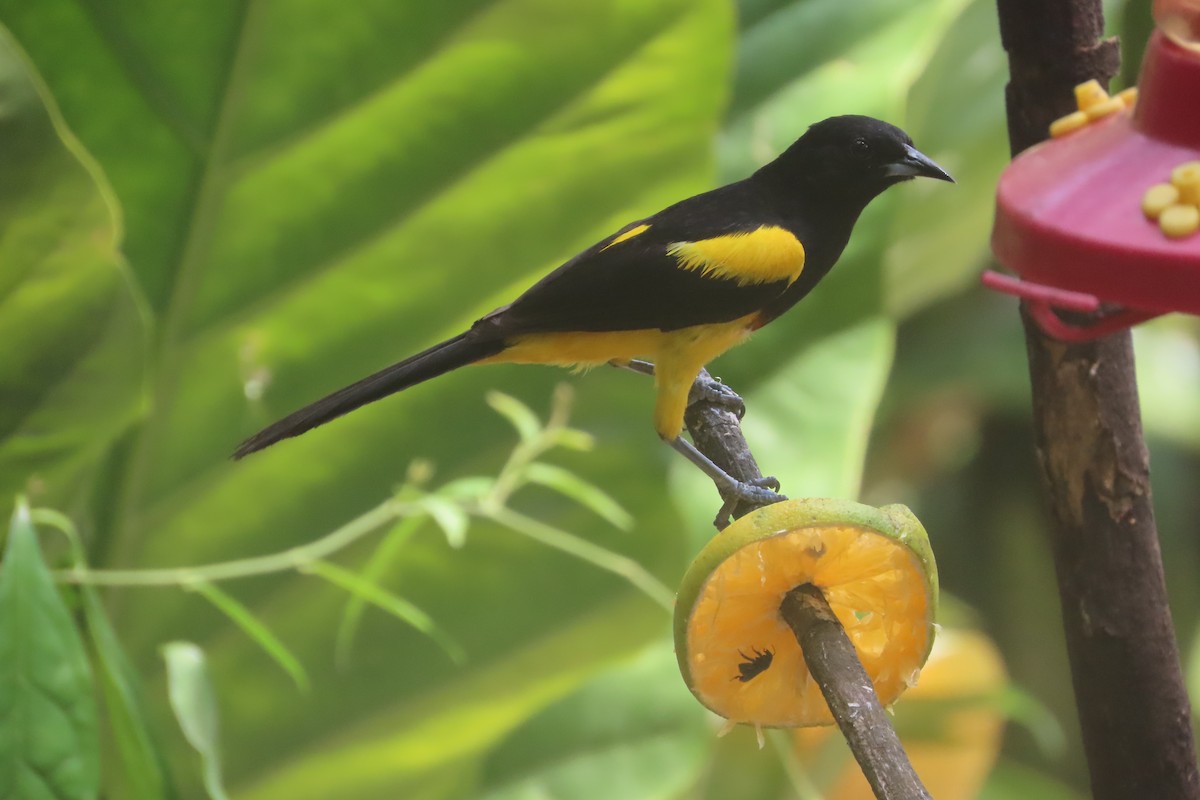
48	737
1027	710
381	558
939	240
1010	779
467	489
864	60
634	732
256	630
1168	371
572	439
587	494
519	415
402	750
385	600
769	61
195	707
740	768
71	376
449	516
813	420
143	770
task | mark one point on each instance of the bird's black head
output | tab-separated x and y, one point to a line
852	157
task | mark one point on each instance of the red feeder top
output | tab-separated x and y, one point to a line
1080	211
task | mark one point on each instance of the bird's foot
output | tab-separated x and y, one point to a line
756	487
757	492
707	389
754	492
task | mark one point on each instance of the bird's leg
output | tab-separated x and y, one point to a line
761	491
705	389
635	365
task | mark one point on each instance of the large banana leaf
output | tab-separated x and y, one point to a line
72	363
312	190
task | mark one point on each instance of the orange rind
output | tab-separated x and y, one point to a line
876	570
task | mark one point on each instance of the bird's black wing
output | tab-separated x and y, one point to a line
634	279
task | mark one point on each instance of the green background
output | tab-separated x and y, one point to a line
212	213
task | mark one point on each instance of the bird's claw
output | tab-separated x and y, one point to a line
760	491
711	390
757	492
768	482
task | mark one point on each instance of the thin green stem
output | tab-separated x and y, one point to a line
372	573
512	474
584	550
292	558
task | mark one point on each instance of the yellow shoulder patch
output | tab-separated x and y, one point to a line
765	255
629	234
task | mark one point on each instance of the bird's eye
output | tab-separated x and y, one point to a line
861	147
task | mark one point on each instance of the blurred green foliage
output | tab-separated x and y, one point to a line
214	212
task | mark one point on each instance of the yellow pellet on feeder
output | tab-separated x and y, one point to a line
1176	205
1157	198
1068	124
1093	103
1186	178
1089	94
1102	109
1188	172
1179	220
1128	97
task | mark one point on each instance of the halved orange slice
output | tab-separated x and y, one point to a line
874	566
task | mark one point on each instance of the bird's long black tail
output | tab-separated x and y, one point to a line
463	349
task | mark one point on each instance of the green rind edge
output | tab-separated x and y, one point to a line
896	522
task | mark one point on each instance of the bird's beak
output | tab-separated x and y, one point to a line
916	164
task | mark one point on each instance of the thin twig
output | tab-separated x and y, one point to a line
717	433
835	667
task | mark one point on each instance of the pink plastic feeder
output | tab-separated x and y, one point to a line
1076	219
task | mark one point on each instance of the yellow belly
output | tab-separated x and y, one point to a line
678	357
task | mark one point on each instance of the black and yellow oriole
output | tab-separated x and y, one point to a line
679	287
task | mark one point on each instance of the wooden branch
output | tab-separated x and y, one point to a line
827	649
835	667
1129	690
717	433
